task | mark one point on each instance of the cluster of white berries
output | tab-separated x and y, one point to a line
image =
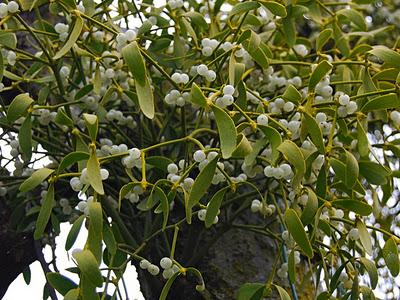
77	183
169	267
14	152
174	4
66	208
323	89
262	119
83	205
202	215
262	208
227	97
10	57
173	171
346	107
353	234
395	117
209	45
180	78
133	195
10	7
174	97
325	126
115	115
282	171
146	265
132	159
203	71
300	49
62	30
123	38
45	116
279	105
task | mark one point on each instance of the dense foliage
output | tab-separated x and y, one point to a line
159	116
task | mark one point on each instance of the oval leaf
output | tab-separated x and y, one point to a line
93	172
296	229
35	179
73	232
18	107
226	130
382	102
213	206
365	236
61	283
294	155
44	214
73	37
323	68
357	206
87	263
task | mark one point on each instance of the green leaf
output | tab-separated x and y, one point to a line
95	231
1	67
202	182
72	294
92	124
164	204
109	239
274	138
87	263
291	267
387	101
296	229
213	206
391	256
389	56
93	172
362	144
354	16
18	107
197	19
365	236
311	208
289	30
73	37
251	291
294	155
275	8
197	96
71	159
243	7
25	138
73	232
315	132
352	170
135	62
323	68
292	94
243	147
44	214
167	286
357	206
97	80
282	293
63	119
145	98
159	162
61	283
372	271
323	38
226	130
27	274
35	179
8	39
374	173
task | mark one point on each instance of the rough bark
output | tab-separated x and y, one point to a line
235	258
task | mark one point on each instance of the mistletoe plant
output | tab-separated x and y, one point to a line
272	117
